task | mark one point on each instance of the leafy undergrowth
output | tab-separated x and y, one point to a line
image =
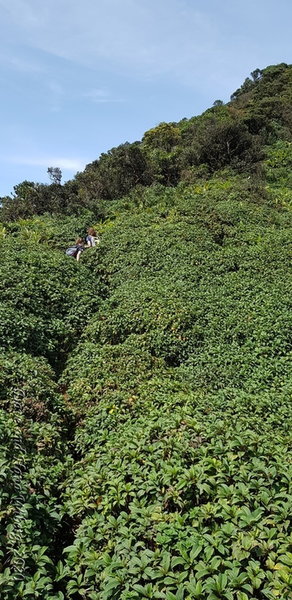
157	465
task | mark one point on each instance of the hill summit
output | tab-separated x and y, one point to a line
238	135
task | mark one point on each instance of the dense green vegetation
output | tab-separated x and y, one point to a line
145	392
235	135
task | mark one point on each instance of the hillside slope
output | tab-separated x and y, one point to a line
146	391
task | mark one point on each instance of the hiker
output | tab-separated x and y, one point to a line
91	238
77	249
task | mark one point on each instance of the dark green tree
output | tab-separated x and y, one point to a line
55	174
117	172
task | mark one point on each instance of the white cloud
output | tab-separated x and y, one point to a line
203	44
146	37
56	95
70	164
22	65
101	96
20	10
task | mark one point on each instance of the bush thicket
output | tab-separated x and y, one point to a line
145	392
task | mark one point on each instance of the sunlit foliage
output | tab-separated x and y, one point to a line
145	392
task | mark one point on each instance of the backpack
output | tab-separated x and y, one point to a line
72	251
92	240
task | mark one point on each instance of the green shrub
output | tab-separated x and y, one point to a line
145	392
45	304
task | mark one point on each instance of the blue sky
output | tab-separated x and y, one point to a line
78	78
